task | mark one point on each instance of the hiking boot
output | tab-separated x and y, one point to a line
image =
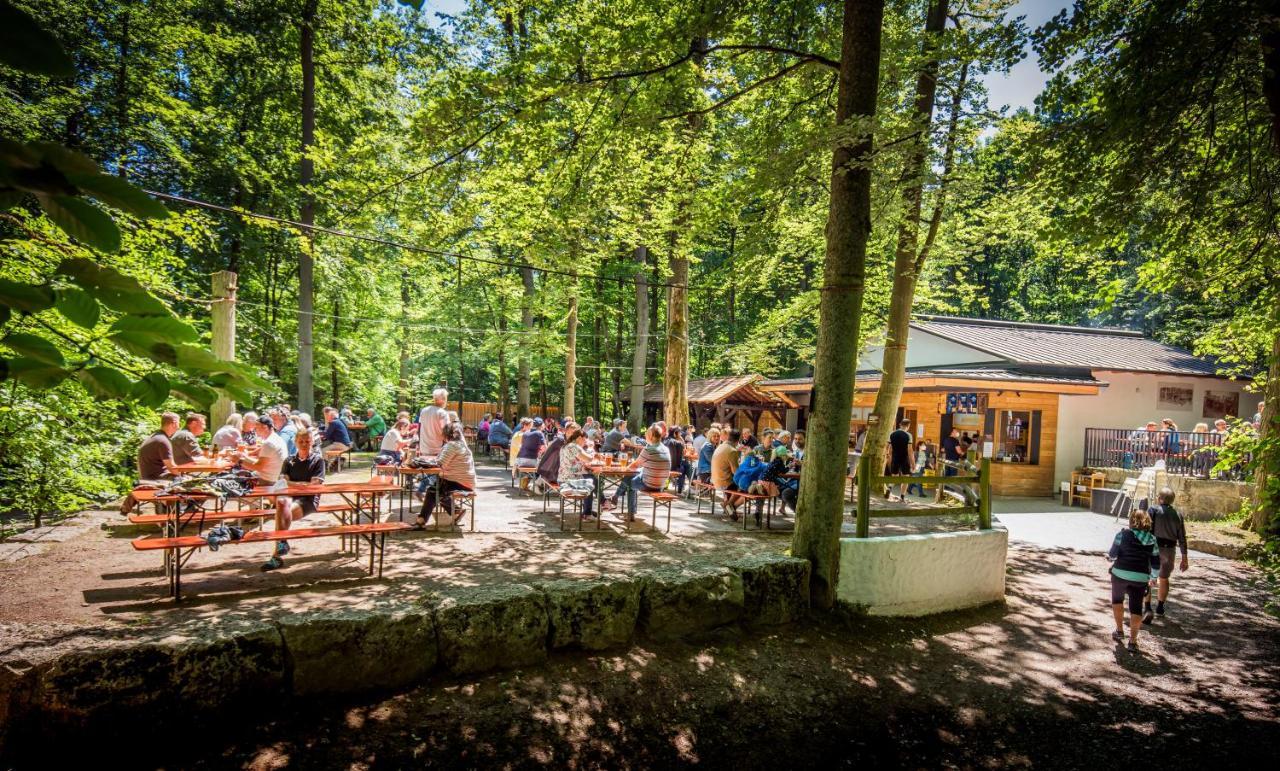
1118	636
1133	646
1148	615
275	563
1160	609
282	548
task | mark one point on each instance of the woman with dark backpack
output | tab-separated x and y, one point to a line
1135	558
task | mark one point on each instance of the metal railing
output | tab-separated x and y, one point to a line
1185	453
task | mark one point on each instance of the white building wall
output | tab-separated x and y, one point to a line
1129	401
927	350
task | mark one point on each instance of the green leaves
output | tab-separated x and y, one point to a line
151	390
78	307
112	288
28	298
33	373
193	394
116	192
35	348
25	46
105	382
162	328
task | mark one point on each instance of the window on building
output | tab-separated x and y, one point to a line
1013	437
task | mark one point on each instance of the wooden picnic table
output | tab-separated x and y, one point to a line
205	466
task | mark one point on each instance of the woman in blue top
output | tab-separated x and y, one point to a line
1135	559
704	454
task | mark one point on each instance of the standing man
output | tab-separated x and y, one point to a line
1170	532
900	455
431	422
185	447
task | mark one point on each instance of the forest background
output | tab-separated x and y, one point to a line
563	170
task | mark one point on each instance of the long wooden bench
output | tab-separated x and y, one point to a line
571	502
765	502
225	515
703	491
375	533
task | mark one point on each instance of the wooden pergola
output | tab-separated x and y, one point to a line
723	399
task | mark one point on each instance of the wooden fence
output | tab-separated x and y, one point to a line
863	511
471	413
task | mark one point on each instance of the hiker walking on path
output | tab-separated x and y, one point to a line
1135	558
1170	532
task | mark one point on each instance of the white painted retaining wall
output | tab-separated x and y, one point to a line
916	575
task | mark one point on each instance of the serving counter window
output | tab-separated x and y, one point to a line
1017	436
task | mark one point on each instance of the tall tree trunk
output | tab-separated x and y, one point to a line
600	329
675	375
306	266
122	97
640	357
1266	483
906	262
402	382
821	504
571	353
616	375
504	386
526	325
333	355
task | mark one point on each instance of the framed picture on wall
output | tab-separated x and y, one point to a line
1220	404
1174	397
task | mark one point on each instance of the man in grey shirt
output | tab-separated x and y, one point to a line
185	447
616	440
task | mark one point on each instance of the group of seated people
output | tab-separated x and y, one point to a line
734	462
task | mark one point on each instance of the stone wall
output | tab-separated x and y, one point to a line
90	684
1198	499
915	575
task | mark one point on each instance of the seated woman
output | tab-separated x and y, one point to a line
228	436
393	442
303	467
707	450
575	471
457	472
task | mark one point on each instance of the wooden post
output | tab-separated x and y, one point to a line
864	482
984	495
224	337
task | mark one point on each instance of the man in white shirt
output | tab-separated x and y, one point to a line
271	452
431	423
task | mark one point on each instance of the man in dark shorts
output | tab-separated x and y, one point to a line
900	455
1171	534
303	467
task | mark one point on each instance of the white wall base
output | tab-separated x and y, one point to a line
916	575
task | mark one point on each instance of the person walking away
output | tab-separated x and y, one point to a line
457	472
1171	532
303	467
1135	557
900	455
921	465
653	467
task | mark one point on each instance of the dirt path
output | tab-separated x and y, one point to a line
1036	683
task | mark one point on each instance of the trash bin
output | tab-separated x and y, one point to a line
1066	493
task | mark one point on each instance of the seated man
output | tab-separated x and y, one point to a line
374	426
532	443
617	441
499	433
654	467
724	463
305	467
271	452
155	456
185	447
336	436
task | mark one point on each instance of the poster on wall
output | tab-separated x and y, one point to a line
1221	404
1174	397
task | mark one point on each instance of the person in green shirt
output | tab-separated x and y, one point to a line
375	427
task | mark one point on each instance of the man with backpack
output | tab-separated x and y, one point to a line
1171	533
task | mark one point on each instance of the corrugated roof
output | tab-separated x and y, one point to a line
1002	375
742	389
1058	346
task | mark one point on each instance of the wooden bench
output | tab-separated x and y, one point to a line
663	499
375	533
571	501
703	491
333	459
460	501
765	502
518	471
549	489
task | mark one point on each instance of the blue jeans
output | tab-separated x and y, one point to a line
427	480
916	485
631	486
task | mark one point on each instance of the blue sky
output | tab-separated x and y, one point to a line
1017	89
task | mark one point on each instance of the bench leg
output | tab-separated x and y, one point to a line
382	549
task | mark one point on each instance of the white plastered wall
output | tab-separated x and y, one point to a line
926	350
1129	401
916	575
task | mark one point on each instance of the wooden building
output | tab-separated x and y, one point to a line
738	400
1027	392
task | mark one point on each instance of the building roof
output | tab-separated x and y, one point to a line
1063	346
1001	375
713	390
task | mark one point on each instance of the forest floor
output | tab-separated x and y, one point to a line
1035	682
